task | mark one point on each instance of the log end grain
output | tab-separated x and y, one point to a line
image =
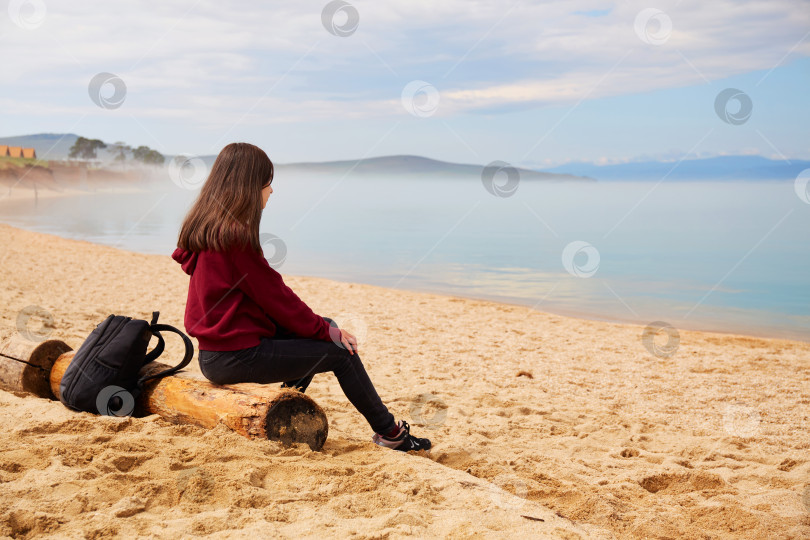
294	417
26	365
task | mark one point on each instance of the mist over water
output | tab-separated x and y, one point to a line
730	256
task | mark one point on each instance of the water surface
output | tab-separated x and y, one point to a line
730	256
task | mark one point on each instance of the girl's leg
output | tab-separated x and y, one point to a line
300	384
277	360
300	359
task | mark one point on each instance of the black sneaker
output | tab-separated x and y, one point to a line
403	441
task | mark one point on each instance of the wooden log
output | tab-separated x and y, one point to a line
187	398
25	365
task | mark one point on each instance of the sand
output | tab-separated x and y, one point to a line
568	421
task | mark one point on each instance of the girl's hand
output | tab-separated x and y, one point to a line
348	341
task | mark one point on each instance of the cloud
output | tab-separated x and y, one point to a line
209	61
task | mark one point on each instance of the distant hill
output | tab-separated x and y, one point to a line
56	146
412	166
715	168
405	165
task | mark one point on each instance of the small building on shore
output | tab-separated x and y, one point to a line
17	152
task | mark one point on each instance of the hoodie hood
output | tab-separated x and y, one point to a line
186	258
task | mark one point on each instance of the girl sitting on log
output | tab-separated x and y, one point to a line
250	326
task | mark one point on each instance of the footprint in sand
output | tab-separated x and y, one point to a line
676	483
127	462
788	464
456	459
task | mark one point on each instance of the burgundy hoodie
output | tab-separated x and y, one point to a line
235	298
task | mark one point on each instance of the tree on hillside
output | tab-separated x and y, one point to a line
120	150
85	148
148	156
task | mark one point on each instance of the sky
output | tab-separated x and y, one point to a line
534	84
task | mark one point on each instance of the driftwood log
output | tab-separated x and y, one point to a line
253	410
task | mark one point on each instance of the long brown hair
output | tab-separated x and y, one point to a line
229	207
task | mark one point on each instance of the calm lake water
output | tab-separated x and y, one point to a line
732	257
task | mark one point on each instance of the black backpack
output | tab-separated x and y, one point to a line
103	377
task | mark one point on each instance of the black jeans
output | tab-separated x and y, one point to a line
294	361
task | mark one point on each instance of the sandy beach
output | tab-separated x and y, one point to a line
543	426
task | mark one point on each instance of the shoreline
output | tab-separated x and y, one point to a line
744	332
27	193
582	317
612	318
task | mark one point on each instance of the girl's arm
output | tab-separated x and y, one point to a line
262	283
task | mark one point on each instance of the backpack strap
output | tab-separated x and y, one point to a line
156	328
161	345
